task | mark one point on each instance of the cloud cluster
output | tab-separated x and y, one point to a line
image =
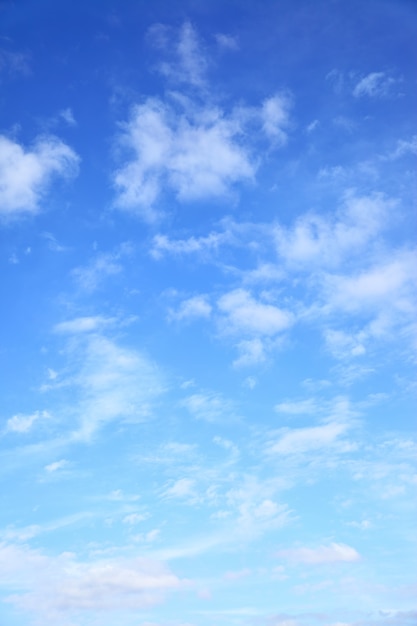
187	144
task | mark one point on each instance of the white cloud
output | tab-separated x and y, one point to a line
333	553
26	174
374	85
254	508
182	488
264	273
300	440
196	155
84	324
210	407
23	423
187	145
56	465
193	308
275	118
325	241
162	244
390	283
245	314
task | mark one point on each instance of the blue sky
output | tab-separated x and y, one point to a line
208	258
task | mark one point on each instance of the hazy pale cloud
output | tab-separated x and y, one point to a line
210	407
275	117
58	586
332	553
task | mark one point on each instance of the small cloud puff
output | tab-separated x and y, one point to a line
26	174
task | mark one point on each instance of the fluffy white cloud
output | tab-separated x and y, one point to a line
25	174
244	314
333	553
195	154
187	144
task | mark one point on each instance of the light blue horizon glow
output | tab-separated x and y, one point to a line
208	257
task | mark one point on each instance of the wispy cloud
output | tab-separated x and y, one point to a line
85	324
192	308
89	277
24	423
332	553
185	60
374	85
210	407
114	383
